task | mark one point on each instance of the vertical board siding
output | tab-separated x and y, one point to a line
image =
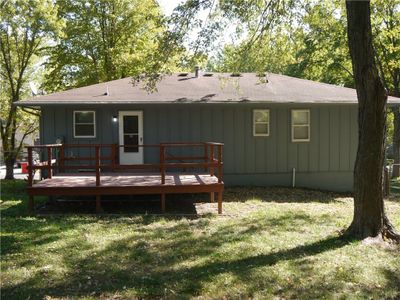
48	128
302	157
283	139
249	153
229	141
324	141
334	139
344	151
353	135
239	141
271	141
60	123
313	153
332	147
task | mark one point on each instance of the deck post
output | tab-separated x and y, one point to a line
212	159
30	167
49	166
219	163
61	165
212	197
220	202
163	203
99	209
31	205
162	162
97	165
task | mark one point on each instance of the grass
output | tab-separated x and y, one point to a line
272	242
395	186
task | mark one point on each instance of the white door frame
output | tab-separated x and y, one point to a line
130	158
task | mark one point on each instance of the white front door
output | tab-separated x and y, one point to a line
130	134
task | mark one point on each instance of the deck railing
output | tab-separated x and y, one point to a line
210	160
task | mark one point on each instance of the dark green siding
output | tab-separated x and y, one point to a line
325	162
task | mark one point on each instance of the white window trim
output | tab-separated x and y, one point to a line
254	122
94	124
305	125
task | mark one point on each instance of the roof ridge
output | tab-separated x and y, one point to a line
82	87
313	81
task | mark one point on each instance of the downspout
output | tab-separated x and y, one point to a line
293	177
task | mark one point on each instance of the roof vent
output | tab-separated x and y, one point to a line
208	74
236	75
183	74
263	77
107	93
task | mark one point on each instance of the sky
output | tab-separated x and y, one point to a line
168	5
227	38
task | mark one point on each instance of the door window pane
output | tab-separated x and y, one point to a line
131	124
131	139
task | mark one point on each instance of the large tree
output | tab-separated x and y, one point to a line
102	40
25	28
369	218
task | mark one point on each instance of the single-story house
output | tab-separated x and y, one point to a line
277	130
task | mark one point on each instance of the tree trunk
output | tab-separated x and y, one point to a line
9	168
396	142
369	218
396	129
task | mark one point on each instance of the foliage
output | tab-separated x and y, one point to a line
386	27
25	28
390	128
324	55
312	46
272	243
275	55
102	40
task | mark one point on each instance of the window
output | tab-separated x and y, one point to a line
261	122
84	124
300	125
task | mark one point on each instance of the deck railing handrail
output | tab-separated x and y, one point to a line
210	162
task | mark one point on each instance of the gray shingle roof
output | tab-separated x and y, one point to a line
219	87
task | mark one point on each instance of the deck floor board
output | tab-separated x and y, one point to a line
76	180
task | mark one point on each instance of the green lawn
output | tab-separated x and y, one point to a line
270	243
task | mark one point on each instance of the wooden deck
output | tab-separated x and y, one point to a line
121	182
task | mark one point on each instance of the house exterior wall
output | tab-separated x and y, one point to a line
326	162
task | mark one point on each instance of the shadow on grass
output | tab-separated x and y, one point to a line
124	205
282	195
152	259
393	280
124	265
